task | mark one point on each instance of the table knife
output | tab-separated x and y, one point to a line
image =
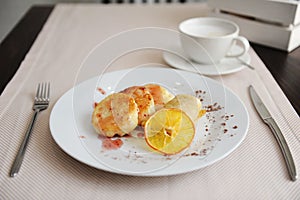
268	119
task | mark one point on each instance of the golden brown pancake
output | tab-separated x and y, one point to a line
160	95
144	101
117	114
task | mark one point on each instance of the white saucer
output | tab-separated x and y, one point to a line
179	60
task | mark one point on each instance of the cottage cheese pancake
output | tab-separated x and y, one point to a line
144	101
117	114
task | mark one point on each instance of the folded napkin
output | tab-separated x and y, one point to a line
255	170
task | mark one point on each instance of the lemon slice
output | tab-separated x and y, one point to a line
169	131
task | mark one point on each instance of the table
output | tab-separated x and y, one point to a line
254	170
285	67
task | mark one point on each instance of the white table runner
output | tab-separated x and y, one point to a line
255	170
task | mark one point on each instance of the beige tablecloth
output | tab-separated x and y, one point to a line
255	170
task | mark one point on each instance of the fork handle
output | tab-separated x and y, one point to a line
19	158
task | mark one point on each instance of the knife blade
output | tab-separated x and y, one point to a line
268	119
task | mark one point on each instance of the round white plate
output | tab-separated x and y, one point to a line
226	65
218	133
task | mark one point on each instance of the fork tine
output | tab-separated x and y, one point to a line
37	92
45	92
41	92
48	93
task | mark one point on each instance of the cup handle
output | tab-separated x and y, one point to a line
245	46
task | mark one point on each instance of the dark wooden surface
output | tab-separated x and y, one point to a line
285	67
18	42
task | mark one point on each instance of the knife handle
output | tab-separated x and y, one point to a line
284	148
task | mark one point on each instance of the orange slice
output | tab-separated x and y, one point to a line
169	131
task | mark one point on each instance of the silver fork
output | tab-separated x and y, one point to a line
41	102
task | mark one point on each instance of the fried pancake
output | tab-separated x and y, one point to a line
144	101
160	95
117	114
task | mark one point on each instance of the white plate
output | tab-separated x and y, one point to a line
70	124
226	65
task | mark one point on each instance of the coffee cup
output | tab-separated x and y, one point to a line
208	40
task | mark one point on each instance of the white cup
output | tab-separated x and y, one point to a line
208	40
